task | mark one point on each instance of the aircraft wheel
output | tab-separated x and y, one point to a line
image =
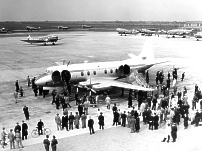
53	43
197	39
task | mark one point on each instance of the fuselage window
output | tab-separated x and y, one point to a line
105	71
111	71
82	74
116	70
94	72
88	73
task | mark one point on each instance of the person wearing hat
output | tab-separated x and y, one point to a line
174	132
90	125
17	127
54	143
101	120
24	130
46	143
18	139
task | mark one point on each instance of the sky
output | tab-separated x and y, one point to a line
100	10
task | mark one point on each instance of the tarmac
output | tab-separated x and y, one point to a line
18	60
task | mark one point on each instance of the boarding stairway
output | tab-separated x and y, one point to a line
139	80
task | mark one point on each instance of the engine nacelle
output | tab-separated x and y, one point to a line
124	70
65	76
58	77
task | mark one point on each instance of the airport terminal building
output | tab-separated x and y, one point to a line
193	25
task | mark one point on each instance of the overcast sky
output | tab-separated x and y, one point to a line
100	10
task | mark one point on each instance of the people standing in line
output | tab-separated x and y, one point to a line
130	101
3	137
114	108
83	120
26	112
86	104
80	109
16	96
167	133
147	77
123	117
58	122
57	101
24	130
18	139
40	125
21	91
186	119
28	81
108	100
129	119
17	87
76	120
90	125
46	143
132	124
183	75
11	138
154	101
66	120
137	124
54	95
71	121
174	132
101	121
54	143
116	118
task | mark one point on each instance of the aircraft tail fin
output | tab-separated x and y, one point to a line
147	53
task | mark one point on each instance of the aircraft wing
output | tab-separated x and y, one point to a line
34	41
101	83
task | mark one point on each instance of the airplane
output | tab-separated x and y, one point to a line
179	32
29	28
146	32
101	75
198	35
86	26
3	30
46	39
125	31
63	27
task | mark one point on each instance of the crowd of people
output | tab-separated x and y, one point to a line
156	108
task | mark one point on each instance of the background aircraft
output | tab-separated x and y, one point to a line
125	31
101	75
179	32
29	28
198	35
147	32
4	30
46	39
86	26
63	27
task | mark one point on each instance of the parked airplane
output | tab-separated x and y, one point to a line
3	30
147	32
46	39
63	27
29	28
102	75
125	31
179	32
198	35
86	26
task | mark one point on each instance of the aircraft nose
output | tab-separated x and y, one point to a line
43	79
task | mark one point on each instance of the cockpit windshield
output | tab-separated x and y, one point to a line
48	71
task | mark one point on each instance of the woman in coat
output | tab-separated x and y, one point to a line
133	124
76	120
18	139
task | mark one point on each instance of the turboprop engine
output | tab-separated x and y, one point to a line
124	70
64	76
